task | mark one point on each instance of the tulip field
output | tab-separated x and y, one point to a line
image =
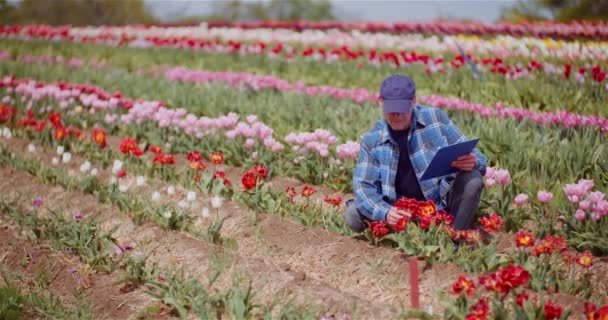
201	171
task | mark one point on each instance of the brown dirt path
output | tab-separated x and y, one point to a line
31	260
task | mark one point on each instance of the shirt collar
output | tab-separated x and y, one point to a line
386	135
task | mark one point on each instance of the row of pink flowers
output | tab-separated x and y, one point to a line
317	141
252	130
594	206
256	82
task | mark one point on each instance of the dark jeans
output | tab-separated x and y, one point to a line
462	200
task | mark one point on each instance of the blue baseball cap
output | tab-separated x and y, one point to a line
397	93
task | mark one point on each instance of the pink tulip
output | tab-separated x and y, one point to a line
584	205
502	177
349	150
580	215
520	199
251	119
601	208
595	197
545	196
490	183
249	143
574	192
489	173
587	185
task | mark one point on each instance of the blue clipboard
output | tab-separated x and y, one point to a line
441	163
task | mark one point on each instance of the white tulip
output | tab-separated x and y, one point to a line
205	212
113	180
60	150
31	148
117	166
66	157
55	161
140	181
191	196
123	188
167	214
155	196
217	202
86	166
6	133
182	204
171	190
94	172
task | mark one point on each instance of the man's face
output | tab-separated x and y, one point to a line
398	121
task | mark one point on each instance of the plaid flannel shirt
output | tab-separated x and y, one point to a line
374	176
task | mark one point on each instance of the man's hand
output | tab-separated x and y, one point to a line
395	215
466	162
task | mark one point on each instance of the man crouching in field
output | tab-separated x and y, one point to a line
395	153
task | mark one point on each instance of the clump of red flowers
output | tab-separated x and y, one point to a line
425	213
505	280
217	157
463	285
291	193
308	191
155	149
99	136
260	170
379	229
128	146
592	312
6	113
550	245
196	161
585	259
222	175
163	159
491	223
334	201
250	178
480	310
524	239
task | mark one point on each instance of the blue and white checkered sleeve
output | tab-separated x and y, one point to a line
367	197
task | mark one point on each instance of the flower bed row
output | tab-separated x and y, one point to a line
501	46
493	62
256	82
577	149
569	30
550	94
